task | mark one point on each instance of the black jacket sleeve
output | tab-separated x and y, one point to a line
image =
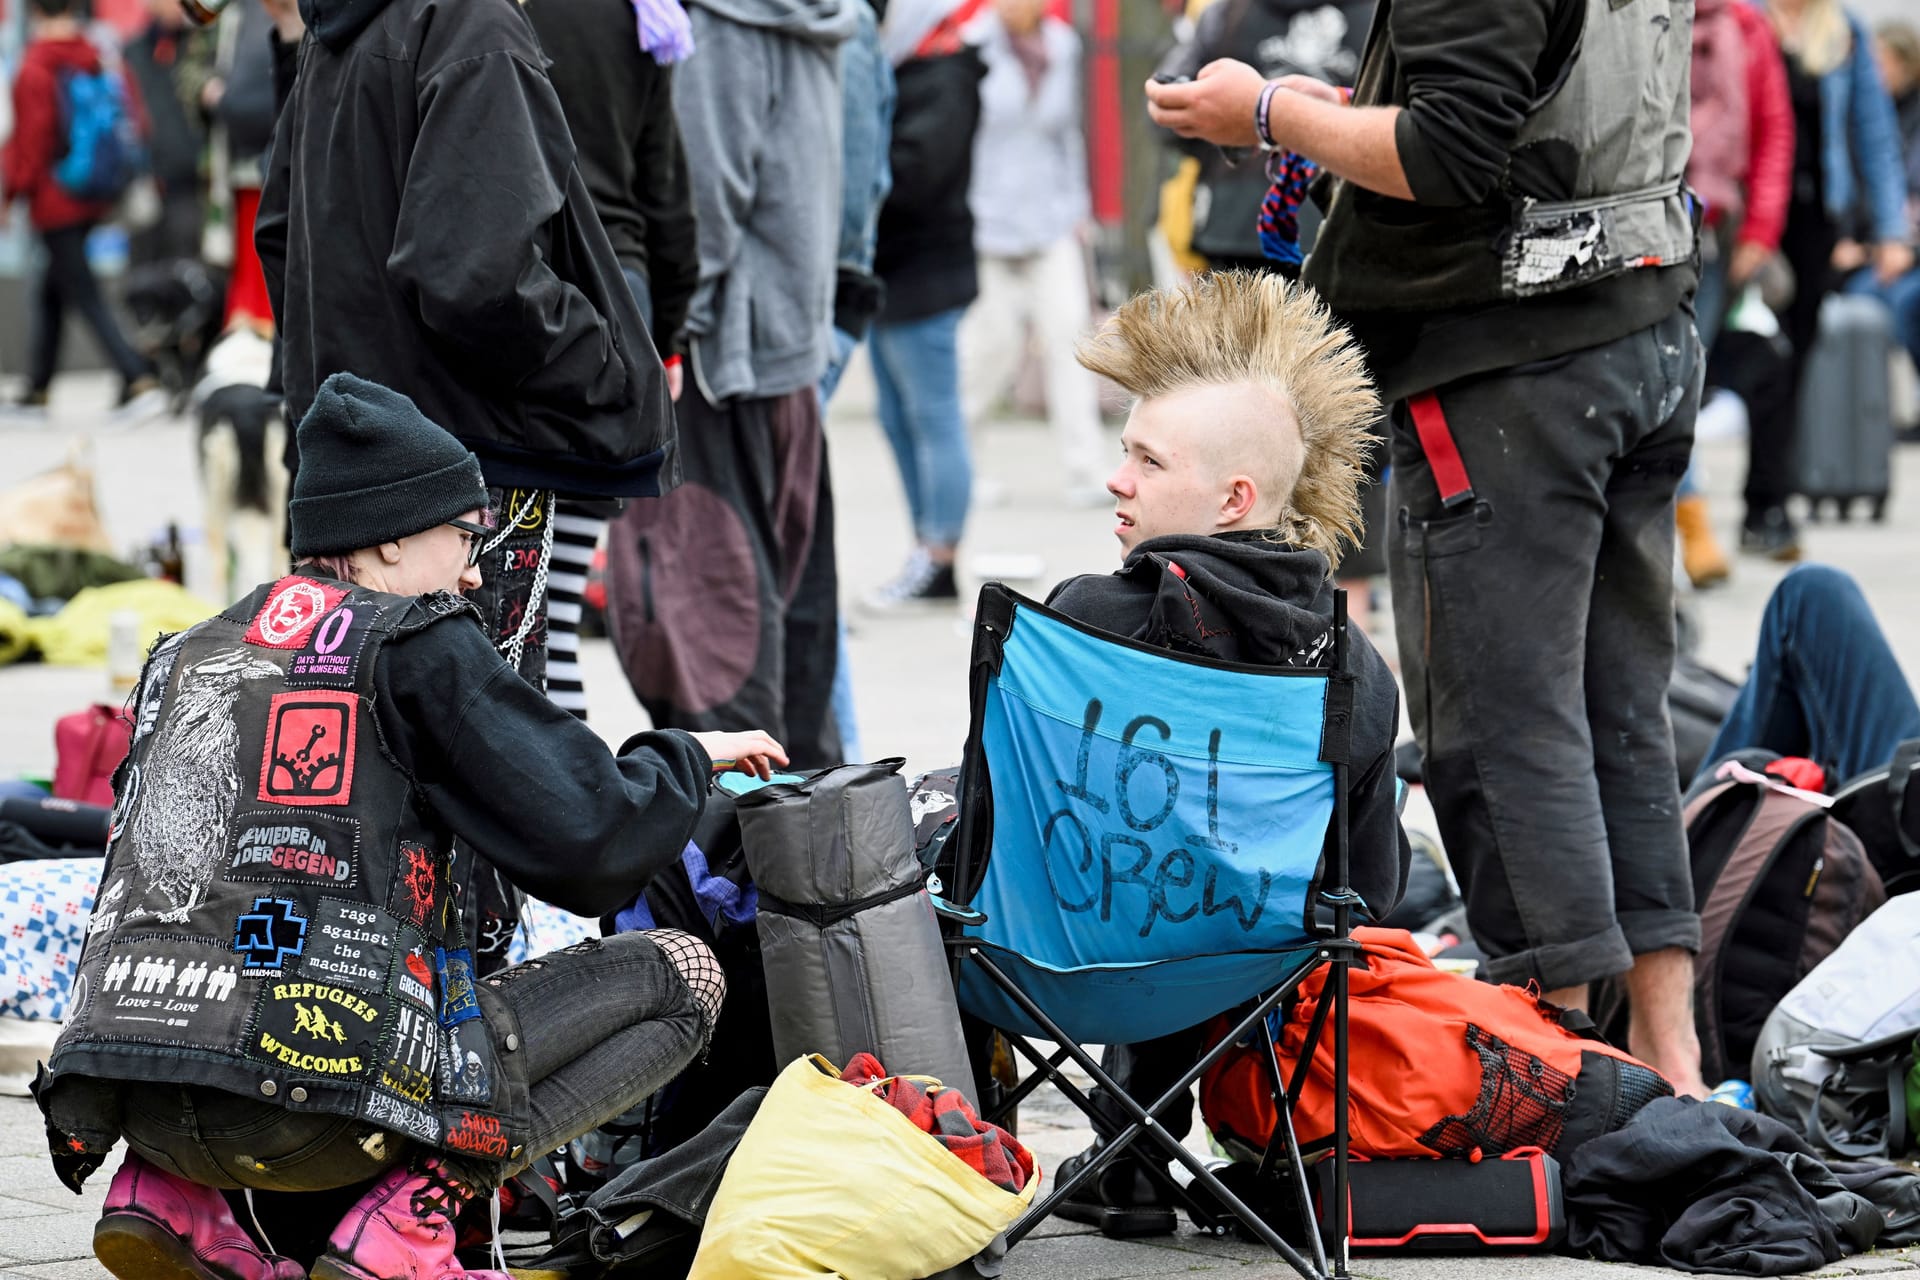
474	242
530	787
1202	46
664	198
938	104
1470	70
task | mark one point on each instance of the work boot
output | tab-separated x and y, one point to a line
1771	532
160	1227
1705	562
403	1229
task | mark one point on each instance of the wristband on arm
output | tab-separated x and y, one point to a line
1262	129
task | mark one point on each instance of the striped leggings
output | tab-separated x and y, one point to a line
574	538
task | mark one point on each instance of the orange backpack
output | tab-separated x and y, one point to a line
1439	1065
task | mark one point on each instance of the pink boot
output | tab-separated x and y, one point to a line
403	1229
159	1227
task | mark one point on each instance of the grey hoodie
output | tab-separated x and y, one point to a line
759	110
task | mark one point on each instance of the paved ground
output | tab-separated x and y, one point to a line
912	702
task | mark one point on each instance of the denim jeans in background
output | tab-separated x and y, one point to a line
843	711
917	366
1824	683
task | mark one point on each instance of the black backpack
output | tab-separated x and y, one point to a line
1778	882
1883	808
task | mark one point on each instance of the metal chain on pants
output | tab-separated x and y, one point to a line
514	647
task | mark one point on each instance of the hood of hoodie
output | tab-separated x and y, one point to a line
64	53
826	21
1237	595
335	23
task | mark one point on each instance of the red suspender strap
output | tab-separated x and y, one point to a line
1443	455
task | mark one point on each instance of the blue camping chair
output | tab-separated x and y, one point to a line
1139	849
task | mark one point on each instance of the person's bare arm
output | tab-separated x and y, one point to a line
1303	115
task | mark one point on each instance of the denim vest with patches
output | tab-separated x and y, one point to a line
1613	130
273	917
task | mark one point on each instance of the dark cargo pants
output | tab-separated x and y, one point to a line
1535	619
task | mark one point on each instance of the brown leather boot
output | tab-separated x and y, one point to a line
1705	562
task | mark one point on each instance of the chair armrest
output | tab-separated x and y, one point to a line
953	911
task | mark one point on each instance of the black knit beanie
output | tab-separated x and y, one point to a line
374	469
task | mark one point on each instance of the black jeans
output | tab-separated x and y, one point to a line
594	1029
68	282
1773	397
1536	640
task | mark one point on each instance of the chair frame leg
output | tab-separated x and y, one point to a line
1142	1117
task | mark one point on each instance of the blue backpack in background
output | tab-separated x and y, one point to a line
104	149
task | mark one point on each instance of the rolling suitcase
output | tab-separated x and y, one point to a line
1845	449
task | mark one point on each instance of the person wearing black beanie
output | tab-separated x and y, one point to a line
374	470
307	776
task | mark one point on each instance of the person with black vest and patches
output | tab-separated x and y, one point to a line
1509	235
276	992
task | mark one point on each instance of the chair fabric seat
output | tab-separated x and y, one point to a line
1158	823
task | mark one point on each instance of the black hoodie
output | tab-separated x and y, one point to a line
1242	597
424	225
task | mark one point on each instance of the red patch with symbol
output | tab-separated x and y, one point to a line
309	753
417	966
413	900
293	608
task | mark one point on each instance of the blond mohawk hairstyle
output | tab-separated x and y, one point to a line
1236	326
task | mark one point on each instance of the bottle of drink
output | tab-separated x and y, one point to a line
173	563
1733	1093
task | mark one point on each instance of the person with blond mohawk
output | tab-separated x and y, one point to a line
1240	476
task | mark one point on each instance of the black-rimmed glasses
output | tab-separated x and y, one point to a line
476	539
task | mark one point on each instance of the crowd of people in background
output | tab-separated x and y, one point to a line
589	272
965	249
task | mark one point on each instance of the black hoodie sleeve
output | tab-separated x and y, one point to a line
665	199
528	785
473	244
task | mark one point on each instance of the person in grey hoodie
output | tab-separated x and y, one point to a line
722	596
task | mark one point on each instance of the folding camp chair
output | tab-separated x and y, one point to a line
1139	849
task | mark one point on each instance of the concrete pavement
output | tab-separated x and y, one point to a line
912	702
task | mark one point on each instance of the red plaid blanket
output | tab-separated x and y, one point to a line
945	1113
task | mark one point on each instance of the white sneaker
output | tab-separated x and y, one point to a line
920	584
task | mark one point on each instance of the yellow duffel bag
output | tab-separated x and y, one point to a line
831	1180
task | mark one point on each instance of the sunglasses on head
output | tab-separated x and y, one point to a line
476	538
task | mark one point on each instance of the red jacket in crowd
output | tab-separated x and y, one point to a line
39	135
1769	131
1742	161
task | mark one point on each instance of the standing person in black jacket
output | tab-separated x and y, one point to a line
925	260
424	224
461	258
1510	238
617	93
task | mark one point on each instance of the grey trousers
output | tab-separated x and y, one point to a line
1535	620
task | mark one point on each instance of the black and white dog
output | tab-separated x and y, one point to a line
243	472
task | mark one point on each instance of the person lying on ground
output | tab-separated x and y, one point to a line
276	993
1240	474
1824	684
